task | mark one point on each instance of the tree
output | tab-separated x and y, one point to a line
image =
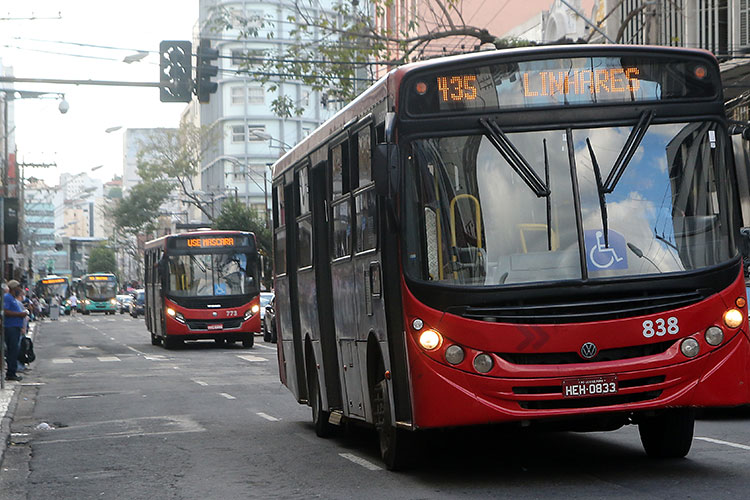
173	157
138	212
102	260
333	51
237	216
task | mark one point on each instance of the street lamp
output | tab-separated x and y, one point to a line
268	137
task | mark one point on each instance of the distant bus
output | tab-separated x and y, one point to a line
97	293
203	285
52	286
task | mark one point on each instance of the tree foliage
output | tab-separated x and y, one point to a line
138	212
102	260
174	157
335	51
237	216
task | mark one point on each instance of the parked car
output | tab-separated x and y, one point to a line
138	303
123	303
269	322
265	298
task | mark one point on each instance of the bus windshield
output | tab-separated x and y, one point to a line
208	275
100	290
494	208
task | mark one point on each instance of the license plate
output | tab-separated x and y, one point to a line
586	387
215	327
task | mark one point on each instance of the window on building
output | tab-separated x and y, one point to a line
256	95
237	95
238	133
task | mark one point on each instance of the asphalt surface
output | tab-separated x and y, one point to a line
104	414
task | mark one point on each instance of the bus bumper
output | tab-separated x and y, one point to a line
445	396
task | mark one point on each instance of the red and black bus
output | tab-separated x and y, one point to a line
203	285
530	236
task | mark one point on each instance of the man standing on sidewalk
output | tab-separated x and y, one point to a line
13	315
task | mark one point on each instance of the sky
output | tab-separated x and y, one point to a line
77	141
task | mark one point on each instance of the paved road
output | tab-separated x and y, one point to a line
130	420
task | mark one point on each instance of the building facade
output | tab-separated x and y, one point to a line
251	135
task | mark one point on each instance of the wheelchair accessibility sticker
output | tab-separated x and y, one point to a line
604	258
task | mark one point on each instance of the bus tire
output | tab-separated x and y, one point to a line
248	342
323	428
155	340
668	434
396	445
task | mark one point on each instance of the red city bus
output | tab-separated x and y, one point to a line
202	285
538	235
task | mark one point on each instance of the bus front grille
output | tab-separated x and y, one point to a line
567	358
586	310
206	324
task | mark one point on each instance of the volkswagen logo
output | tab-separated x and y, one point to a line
216	314
588	350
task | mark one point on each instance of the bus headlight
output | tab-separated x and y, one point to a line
255	309
171	312
714	336
113	301
690	347
733	318
430	339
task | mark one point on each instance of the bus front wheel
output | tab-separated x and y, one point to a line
170	342
668	434
155	340
396	445
248	343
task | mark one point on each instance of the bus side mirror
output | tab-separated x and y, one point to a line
384	167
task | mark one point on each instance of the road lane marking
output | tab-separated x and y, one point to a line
228	396
84	348
59	361
135	350
360	461
200	382
265	347
108	358
249	357
267	417
156	357
725	443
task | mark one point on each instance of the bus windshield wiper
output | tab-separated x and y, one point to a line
623	159
514	158
198	263
600	190
628	150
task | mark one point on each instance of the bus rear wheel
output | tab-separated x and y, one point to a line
668	434
396	445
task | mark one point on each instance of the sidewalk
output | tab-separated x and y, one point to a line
8	401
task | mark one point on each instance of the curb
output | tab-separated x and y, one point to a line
12	405
6	421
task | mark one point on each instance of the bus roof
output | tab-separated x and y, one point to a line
387	86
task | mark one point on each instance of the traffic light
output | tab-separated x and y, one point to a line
204	70
175	71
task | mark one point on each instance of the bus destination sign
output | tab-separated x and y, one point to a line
560	82
100	278
205	242
52	281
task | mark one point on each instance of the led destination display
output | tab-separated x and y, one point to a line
560	82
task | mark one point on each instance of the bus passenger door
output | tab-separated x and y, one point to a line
322	264
293	353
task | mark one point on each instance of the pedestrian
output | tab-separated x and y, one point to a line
73	304
13	319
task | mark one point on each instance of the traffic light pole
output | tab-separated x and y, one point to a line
112	83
